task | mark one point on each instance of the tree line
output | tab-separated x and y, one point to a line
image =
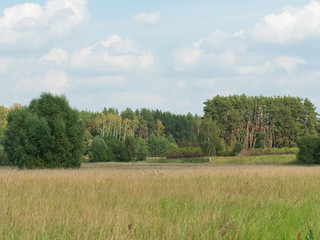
49	133
180	129
262	122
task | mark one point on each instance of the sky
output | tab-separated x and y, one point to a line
167	55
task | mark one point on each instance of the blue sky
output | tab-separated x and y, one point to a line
169	55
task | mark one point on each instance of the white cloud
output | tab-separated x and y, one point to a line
113	54
187	57
148	19
266	68
55	81
31	25
57	55
290	25
51	81
218	50
289	63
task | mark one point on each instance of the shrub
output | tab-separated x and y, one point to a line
131	144
309	150
46	134
272	151
237	148
158	146
142	152
186	152
3	158
99	151
118	149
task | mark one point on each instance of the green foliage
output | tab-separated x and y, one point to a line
3	158
185	152
128	113
309	236
46	134
237	148
99	151
309	150
142	151
158	146
209	140
3	121
118	149
131	144
260	122
272	151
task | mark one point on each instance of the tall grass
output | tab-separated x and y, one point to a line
199	202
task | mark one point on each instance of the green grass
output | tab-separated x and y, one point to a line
161	201
267	159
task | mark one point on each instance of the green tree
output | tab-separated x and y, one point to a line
99	151
128	113
131	145
118	149
237	148
158	146
3	121
209	137
309	150
142	152
46	134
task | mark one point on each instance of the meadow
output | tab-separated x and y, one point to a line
161	201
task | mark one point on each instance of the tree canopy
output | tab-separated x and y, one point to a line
46	134
262	121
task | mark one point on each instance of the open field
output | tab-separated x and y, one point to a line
161	201
265	159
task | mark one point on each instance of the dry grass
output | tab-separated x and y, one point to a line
146	201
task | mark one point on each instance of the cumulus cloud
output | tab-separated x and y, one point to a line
57	55
51	81
262	69
219	50
187	57
289	63
30	24
289	25
148	19
113	54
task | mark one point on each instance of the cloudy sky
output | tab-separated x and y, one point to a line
169	55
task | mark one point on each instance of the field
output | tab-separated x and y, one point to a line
161	201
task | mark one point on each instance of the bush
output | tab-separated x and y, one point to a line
309	150
142	152
272	151
118	149
99	151
158	146
185	152
131	144
3	158
237	148
46	134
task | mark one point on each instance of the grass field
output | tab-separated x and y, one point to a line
266	159
161	201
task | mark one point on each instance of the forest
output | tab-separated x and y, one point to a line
228	125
